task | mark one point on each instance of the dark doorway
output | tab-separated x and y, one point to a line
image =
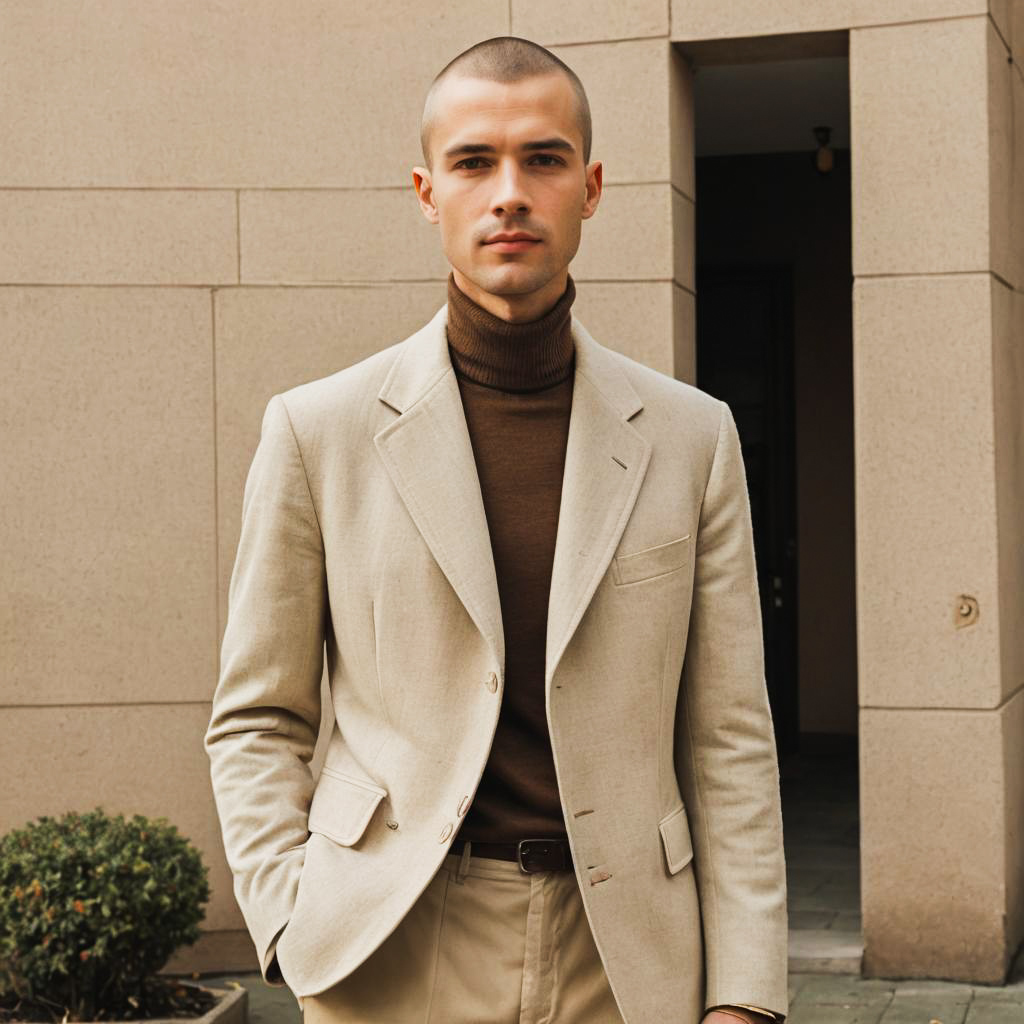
774	314
745	358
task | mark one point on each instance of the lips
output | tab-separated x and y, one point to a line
515	236
520	245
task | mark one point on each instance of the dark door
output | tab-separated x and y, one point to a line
745	358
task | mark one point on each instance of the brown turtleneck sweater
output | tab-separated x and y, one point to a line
516	383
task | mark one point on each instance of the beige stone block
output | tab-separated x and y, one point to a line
107	518
145	236
1003	204
1001	13
574	21
684	240
634	317
1013	776
1016	197
117	93
1008	383
709	19
681	123
270	339
327	235
130	759
628	86
631	236
925	492
920	147
934	814
684	313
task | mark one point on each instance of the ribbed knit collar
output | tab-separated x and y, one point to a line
511	356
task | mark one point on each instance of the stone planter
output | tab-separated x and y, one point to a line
232	1008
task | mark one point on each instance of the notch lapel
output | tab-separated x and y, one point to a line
606	459
429	456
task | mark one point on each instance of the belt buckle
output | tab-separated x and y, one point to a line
542	850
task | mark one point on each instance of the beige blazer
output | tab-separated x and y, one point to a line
363	534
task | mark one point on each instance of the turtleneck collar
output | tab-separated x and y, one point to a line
510	356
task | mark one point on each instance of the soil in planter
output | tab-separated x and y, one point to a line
162	997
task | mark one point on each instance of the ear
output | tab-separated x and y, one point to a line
425	193
593	185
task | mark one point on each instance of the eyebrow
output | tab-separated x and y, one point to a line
470	148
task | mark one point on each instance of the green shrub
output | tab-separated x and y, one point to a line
91	905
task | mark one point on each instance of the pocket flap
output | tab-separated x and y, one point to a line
342	806
651	562
675	837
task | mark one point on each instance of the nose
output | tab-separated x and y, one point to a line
510	194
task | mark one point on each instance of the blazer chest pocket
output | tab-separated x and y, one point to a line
651	562
342	806
675	837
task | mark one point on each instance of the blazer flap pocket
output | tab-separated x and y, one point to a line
656	561
675	837
342	806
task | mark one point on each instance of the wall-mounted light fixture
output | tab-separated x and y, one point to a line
823	158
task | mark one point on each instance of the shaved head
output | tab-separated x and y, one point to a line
503	59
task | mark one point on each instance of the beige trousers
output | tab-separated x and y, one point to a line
484	944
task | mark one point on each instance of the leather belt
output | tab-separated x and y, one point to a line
549	854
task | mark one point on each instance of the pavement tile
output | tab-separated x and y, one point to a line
812	1013
846	922
845	989
1013	994
917	988
994	1013
924	1010
267	1004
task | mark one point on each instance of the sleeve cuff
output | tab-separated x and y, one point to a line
759	1009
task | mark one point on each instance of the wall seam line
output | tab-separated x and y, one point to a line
957	710
216	484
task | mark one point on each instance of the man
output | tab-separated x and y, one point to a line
552	791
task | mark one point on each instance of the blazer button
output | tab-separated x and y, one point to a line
445	832
463	806
492	682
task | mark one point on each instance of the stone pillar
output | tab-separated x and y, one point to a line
936	107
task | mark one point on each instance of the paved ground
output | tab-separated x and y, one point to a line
849	999
814	999
267	1005
820	810
820	807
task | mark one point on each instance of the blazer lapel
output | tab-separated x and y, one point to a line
427	452
606	459
429	456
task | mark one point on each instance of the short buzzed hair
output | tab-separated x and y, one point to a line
505	59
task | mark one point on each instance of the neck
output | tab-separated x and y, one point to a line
515	309
495	352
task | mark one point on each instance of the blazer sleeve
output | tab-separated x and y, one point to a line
725	753
266	708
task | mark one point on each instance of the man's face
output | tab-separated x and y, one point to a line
510	186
